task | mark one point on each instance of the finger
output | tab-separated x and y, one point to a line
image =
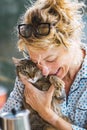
51	90
22	77
25	81
27	84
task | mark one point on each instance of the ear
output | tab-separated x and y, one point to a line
16	61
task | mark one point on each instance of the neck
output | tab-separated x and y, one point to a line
69	78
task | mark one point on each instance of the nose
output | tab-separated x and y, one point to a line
44	69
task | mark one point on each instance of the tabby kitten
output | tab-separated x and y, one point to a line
29	69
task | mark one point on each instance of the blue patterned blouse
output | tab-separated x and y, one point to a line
74	107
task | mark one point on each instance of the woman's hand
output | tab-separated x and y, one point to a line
39	100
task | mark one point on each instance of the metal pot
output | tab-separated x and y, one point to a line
15	120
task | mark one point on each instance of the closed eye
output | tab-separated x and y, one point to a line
51	60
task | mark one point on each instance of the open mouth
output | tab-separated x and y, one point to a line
57	71
60	73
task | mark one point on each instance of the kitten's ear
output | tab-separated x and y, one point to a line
16	61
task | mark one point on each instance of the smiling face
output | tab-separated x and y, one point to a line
55	61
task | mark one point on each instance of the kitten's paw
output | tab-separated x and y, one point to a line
59	86
57	82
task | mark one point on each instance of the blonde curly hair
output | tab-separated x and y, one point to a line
65	17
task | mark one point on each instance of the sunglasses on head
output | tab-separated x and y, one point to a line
26	30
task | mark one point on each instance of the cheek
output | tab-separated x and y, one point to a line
53	67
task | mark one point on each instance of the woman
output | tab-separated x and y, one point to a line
51	32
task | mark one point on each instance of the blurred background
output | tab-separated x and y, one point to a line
10	11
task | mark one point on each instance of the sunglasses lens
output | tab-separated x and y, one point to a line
25	30
43	29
